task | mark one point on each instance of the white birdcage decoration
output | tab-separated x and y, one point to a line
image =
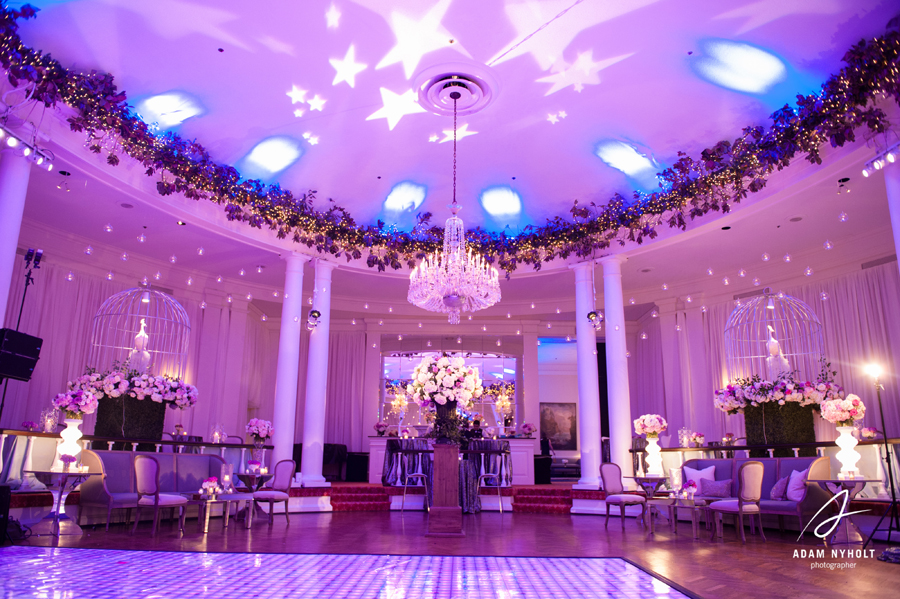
773	334
144	328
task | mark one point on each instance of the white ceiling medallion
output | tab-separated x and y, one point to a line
477	86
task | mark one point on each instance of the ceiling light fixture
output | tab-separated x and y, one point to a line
453	280
888	155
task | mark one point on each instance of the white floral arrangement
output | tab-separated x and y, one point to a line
868	433
698	438
843	412
409	432
259	429
489	432
528	428
650	425
439	380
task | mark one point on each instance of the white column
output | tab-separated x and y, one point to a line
372	390
892	186
531	397
14	172
588	378
292	323
316	381
620	423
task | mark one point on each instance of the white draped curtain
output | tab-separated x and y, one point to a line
345	410
860	319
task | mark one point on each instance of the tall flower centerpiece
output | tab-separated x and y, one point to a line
445	383
75	402
260	431
651	425
843	413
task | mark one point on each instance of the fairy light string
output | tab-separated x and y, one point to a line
692	187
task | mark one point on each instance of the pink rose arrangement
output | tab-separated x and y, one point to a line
380	427
259	429
76	403
868	433
786	389
28	425
121	381
650	425
210	486
528	428
689	486
698	438
843	412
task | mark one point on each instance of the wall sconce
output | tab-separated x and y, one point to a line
312	321
596	319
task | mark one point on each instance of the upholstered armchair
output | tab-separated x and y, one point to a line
750	478
146	474
280	489
611	475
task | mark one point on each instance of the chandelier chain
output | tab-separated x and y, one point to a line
454	150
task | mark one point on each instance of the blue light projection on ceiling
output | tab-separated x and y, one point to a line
270	157
169	109
405	197
739	66
503	205
624	157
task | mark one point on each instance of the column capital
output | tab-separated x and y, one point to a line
295	259
612	265
324	267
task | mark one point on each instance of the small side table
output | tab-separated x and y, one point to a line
57	523
849	533
649	484
254	482
673	503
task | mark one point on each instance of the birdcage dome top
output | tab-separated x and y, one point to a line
144	328
772	334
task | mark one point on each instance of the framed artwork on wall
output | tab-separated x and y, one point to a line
559	424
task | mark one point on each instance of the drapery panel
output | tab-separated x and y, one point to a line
344	408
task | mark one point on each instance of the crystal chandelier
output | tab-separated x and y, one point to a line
454	280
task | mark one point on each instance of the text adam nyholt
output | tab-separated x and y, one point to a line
835	553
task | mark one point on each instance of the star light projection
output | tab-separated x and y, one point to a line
417	38
396	106
462	132
347	69
546	28
584	71
332	17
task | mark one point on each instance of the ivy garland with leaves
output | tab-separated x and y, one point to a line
691	188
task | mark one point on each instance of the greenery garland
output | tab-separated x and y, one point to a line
724	174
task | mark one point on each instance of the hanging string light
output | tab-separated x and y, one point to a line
454	280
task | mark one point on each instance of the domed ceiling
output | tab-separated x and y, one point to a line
587	97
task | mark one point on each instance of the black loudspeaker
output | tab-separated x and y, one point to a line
5	498
357	467
19	354
542	469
